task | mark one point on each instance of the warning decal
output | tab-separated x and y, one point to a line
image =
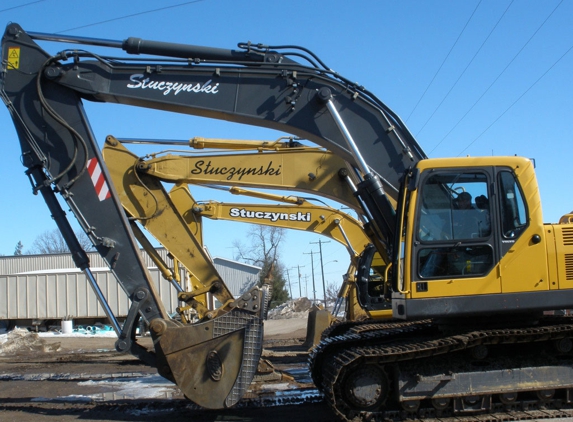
102	190
13	57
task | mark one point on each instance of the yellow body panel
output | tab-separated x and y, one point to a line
524	267
552	259
460	287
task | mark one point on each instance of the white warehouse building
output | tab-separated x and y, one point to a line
43	289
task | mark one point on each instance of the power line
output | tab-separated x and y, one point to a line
498	76
22	5
444	61
519	98
130	16
465	69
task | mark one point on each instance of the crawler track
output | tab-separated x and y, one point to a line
403	370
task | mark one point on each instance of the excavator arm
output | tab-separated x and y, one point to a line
213	361
307	217
146	201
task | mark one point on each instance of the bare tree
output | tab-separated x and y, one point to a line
265	242
52	241
332	290
264	251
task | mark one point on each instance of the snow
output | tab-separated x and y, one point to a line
146	387
21	339
297	308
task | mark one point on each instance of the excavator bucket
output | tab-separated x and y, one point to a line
318	321
214	362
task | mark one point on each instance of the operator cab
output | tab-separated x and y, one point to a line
454	233
469	229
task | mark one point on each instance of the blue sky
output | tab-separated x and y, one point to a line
490	77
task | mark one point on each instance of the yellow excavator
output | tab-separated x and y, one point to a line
137	179
474	277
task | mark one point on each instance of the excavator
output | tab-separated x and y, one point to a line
306	169
475	281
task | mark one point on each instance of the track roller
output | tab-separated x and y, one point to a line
411	405
441	403
508	398
365	387
545	395
563	345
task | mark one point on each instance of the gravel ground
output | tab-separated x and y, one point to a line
81	377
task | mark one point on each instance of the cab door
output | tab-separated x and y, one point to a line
454	242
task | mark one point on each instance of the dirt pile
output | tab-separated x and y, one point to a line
23	341
297	308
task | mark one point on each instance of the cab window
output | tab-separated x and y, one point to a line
454	226
512	204
454	207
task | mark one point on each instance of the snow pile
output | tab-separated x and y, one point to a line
21	340
144	387
297	308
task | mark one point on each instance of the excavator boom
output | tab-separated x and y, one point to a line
299	169
311	102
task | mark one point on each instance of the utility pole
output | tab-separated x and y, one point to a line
299	283
289	286
312	269
320	242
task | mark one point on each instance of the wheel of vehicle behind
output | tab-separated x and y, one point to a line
365	387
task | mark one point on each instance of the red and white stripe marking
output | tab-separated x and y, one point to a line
98	180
